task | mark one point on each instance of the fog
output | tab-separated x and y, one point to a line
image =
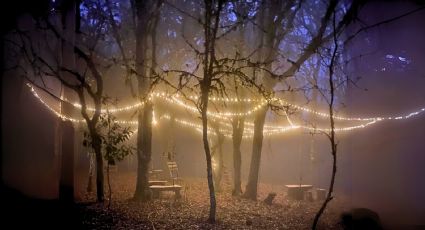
380	167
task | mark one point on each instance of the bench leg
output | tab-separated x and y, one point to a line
155	194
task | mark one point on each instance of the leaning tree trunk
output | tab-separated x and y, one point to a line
238	127
257	144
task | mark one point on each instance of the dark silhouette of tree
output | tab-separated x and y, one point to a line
278	20
84	78
141	66
113	137
146	16
331	136
211	23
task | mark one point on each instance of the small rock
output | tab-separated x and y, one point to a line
248	222
269	198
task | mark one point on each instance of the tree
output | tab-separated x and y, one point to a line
210	27
277	20
211	70
13	12
242	10
113	138
331	136
65	129
334	84
39	61
283	22
144	21
145	11
238	124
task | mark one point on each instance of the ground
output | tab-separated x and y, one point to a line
191	211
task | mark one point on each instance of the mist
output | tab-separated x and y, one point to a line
176	89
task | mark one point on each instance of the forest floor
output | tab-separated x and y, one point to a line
191	211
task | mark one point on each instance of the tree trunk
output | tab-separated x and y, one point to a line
109	184
91	172
96	140
204	108
97	146
210	31
144	151
257	144
99	176
144	135
331	136
66	184
238	127
90	180
218	158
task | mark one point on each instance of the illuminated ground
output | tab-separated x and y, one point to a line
191	211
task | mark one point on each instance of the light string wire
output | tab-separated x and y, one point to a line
268	131
174	98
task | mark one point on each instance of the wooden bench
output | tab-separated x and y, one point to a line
296	191
157	189
157	182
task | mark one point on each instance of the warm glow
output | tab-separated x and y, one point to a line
269	130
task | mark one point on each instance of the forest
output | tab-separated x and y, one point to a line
213	114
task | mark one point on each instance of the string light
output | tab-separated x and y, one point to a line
58	114
113	110
64	117
196	126
164	96
315	129
326	115
215	114
154	121
248	133
175	100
